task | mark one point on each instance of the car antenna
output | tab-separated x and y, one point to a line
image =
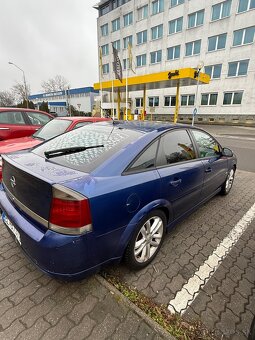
113	123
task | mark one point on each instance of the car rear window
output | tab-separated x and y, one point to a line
54	128
112	137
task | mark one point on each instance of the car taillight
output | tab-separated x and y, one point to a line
69	212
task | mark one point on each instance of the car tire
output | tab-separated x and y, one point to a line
252	331
146	241
227	185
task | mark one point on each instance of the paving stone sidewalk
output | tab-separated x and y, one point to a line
226	304
35	306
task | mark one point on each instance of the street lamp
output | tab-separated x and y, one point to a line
200	65
24	79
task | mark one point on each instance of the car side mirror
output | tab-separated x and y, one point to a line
227	152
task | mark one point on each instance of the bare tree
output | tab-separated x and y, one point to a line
58	83
20	92
7	98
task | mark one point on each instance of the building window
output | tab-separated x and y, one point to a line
221	10
157	32
141	60
173	52
116	25
127	40
105	9
138	102
233	98
217	42
170	101
245	5
141	37
187	100
153	101
156	57
104	30
214	71
126	64
116	44
128	19
193	48
105	49
142	13
105	68
175	25
176	2
209	99
157	6
238	68
196	19
244	36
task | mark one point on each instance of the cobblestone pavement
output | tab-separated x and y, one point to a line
226	303
35	306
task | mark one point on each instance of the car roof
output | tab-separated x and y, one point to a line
82	119
148	126
22	109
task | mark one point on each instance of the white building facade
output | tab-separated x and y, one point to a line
173	34
82	99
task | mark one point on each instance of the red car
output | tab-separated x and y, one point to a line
17	122
52	129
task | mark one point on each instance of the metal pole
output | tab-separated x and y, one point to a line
24	79
127	84
176	113
101	93
144	102
193	117
112	101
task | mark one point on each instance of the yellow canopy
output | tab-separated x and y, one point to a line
184	76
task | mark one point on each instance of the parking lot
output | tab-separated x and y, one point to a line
33	305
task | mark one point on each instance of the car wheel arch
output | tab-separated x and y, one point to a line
161	205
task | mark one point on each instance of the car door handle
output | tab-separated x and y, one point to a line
4	128
175	182
208	170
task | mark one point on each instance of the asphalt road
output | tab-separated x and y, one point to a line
239	139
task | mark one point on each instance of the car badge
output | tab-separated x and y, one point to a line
13	181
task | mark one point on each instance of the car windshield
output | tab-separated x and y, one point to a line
113	139
52	129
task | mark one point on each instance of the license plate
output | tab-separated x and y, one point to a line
11	227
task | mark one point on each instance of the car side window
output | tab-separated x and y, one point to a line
37	118
175	146
81	124
12	117
146	160
207	145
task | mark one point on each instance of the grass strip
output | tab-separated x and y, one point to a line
174	324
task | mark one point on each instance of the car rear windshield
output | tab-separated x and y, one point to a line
54	128
113	139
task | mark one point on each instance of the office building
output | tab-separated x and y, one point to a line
173	34
82	99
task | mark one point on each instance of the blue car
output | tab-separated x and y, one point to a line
109	191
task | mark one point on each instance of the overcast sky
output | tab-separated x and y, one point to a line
46	38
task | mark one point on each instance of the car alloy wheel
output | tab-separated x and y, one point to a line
147	240
226	187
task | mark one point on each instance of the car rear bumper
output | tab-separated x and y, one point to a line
61	256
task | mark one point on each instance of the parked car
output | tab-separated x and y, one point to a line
17	122
51	129
109	191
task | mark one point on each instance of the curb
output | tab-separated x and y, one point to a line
153	324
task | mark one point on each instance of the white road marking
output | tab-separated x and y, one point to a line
190	290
